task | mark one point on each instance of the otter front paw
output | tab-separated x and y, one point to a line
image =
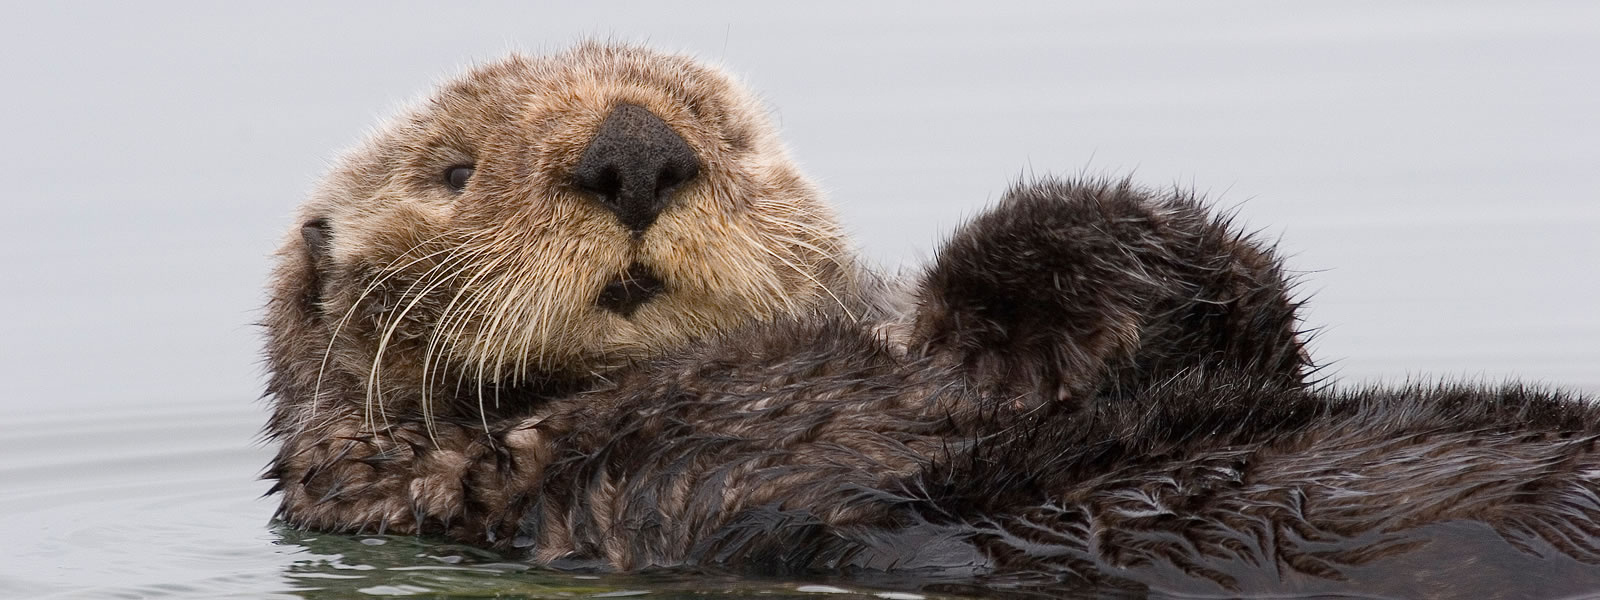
403	479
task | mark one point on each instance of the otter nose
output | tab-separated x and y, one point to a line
634	164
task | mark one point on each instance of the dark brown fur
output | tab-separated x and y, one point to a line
808	447
1204	484
1097	386
1071	288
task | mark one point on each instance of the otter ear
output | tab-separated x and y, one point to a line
316	235
1068	287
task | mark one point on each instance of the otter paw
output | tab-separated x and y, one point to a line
1036	295
437	486
1066	288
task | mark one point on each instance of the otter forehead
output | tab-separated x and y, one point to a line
537	113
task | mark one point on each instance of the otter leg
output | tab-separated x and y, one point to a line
1066	288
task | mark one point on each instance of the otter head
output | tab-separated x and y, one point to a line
539	221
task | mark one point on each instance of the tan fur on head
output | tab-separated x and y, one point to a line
425	297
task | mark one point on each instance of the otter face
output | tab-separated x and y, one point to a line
549	218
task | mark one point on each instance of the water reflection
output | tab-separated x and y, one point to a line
1418	563
333	566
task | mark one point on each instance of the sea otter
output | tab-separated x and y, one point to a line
540	224
584	307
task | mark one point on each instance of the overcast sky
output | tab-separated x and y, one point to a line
1432	168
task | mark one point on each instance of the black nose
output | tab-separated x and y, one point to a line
634	164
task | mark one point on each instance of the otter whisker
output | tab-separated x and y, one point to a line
425	401
455	320
511	296
428	281
807	272
535	309
544	319
433	364
788	303
333	338
488	330
827	255
374	377
815	228
526	340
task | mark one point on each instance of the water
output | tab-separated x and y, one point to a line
1430	169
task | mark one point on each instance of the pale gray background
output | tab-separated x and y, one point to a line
1431	168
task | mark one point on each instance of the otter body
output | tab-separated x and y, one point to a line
583	308
1205	484
816	446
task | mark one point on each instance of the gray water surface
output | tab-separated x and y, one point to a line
1431	169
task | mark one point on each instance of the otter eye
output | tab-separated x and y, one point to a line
456	177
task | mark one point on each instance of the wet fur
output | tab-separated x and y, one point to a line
1097	385
1068	288
814	447
1202	484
